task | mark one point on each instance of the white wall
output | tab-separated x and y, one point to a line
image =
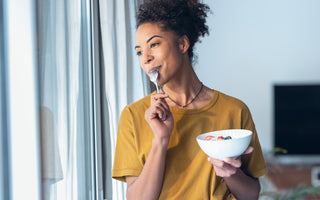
255	44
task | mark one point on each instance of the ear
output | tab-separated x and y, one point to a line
184	44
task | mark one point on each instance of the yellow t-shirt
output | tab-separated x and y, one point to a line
188	173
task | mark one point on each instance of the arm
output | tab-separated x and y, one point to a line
243	186
148	184
240	184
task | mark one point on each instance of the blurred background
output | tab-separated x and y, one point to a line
255	45
69	67
267	53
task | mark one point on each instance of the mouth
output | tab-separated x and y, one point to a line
154	69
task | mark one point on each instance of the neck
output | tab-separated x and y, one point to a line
183	106
183	89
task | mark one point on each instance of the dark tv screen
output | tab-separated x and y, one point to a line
297	118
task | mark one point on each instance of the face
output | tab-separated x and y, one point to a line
159	50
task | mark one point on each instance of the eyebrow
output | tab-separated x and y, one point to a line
154	36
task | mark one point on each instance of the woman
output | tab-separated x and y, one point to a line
157	153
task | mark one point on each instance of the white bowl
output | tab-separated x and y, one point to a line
220	149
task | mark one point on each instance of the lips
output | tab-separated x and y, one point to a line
154	69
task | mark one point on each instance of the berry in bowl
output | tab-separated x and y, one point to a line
225	143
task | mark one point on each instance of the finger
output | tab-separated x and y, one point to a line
222	168
160	98
225	163
164	105
157	96
157	110
216	162
153	112
225	171
248	150
233	162
161	112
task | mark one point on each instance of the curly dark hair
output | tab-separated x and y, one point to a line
184	17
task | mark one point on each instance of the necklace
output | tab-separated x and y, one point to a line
192	100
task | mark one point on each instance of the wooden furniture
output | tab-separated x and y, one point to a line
286	177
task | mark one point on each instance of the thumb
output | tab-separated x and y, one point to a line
248	150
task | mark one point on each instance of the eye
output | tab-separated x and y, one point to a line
139	53
154	45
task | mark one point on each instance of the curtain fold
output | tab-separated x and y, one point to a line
123	79
65	94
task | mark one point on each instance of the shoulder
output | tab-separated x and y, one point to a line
138	107
133	113
230	102
141	104
236	108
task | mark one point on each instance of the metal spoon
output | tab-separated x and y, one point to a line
153	78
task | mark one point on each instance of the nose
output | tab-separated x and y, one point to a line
147	59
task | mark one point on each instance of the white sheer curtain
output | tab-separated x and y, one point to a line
65	99
124	81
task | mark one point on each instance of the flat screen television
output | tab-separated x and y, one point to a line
297	121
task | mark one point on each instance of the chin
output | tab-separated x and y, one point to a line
161	83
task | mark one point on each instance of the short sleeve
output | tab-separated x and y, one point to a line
126	161
254	163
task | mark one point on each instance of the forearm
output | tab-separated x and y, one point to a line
148	184
243	186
